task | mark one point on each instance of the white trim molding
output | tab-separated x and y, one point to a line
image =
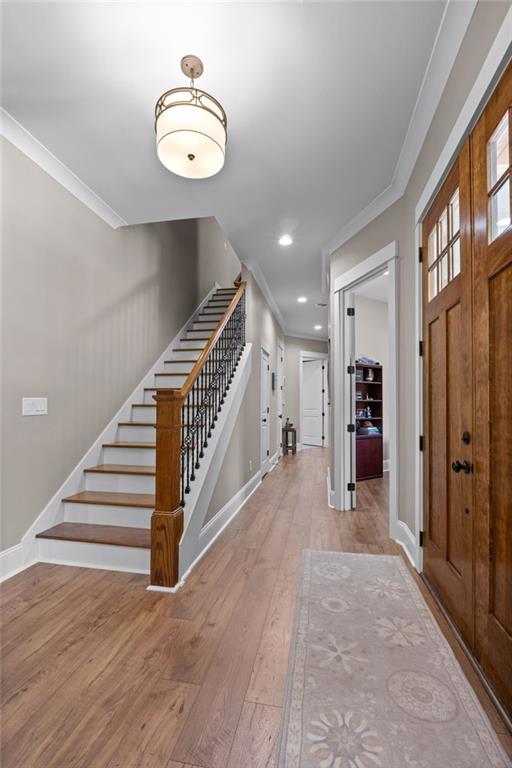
344	286
451	32
39	154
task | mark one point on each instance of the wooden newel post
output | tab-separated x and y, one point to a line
167	519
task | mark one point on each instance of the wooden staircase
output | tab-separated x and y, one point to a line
119	497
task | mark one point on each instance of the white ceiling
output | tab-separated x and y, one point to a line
319	98
376	289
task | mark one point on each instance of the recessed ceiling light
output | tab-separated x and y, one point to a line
285	240
318	327
302	299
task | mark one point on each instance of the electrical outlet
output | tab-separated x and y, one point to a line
34	406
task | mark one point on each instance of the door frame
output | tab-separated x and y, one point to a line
386	258
495	64
279	395
324	356
265	461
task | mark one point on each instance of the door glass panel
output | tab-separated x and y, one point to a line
443	274
499	159
443	230
454	215
432	283
432	246
500	210
444	247
455	257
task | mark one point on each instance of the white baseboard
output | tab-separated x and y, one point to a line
12	561
386	464
216	525
274	461
403	535
53	513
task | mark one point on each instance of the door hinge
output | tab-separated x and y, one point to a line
422	538
268	453
351	427
323	413
420	255
351	311
420	349
422	441
351	369
351	486
268	409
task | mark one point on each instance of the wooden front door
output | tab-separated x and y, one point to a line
447	339
492	268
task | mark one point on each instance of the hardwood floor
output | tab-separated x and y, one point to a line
99	673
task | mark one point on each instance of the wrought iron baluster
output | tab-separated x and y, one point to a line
182	442
185	447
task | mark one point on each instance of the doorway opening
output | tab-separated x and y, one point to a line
314	399
365	425
265	411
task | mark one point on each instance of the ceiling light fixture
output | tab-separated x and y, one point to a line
301	299
191	127
318	327
285	240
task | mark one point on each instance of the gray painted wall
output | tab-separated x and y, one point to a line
398	223
86	310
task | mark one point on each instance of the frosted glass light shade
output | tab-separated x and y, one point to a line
190	133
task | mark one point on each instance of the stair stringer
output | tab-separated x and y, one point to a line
35	550
196	539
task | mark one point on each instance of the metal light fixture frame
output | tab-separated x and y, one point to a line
192	66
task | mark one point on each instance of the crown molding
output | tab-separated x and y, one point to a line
306	336
39	154
450	34
254	267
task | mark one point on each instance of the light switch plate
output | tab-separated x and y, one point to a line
34	406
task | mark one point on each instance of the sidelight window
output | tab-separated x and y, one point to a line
444	248
499	178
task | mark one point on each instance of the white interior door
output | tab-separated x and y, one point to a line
279	392
312	402
265	411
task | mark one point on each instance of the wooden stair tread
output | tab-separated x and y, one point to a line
188	349
128	444
112	499
180	361
116	535
136	424
197	338
122	469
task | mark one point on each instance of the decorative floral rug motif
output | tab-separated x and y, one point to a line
372	681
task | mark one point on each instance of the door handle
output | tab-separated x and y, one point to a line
465	466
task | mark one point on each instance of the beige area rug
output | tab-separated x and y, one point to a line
372	681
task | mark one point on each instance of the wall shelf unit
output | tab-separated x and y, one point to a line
369	421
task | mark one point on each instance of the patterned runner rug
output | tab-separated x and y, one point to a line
372	681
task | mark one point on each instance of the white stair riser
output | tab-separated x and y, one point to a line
194	343
119	483
197	333
174	382
131	559
144	414
136	434
99	514
212	311
144	456
209	327
179	354
178	366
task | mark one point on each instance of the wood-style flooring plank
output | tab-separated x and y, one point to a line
256	737
209	732
98	672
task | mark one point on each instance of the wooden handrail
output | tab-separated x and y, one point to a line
196	370
167	519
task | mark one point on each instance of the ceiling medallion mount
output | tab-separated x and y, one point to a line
191	127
